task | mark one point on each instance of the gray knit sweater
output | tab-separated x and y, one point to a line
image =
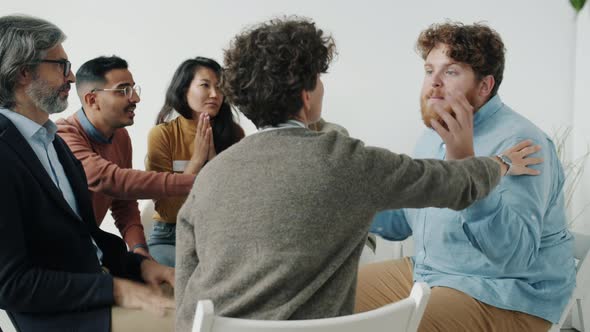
275	225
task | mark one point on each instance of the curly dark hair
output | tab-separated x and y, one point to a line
269	65
476	45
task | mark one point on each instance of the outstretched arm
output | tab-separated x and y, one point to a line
120	181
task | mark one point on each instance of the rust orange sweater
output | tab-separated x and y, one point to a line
111	181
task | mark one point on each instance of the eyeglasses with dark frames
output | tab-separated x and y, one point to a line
67	66
126	91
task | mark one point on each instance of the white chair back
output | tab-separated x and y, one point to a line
6	323
581	253
402	316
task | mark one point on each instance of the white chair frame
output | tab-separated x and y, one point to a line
402	316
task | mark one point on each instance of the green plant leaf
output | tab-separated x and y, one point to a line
578	4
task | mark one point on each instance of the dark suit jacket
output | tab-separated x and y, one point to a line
50	277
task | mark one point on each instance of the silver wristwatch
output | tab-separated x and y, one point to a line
506	160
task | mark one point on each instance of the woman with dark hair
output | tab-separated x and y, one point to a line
204	128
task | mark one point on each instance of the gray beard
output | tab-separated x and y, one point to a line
46	98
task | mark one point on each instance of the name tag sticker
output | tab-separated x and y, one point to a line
179	165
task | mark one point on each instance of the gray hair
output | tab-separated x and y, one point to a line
24	40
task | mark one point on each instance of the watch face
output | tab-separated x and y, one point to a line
506	159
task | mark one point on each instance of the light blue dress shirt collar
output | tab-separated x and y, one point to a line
91	130
289	124
487	110
40	139
31	129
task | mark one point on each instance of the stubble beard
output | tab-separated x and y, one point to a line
46	98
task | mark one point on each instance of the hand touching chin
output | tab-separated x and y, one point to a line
429	112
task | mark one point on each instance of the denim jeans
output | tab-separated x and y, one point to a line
162	243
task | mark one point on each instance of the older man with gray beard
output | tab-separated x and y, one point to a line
58	270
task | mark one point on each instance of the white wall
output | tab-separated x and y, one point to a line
581	116
372	88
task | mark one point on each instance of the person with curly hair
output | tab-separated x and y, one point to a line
204	128
506	263
297	204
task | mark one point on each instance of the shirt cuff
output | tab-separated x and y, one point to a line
135	236
139	245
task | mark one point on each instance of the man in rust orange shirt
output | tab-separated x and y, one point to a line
97	136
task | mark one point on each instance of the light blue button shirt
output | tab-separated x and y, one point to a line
511	249
91	130
40	138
